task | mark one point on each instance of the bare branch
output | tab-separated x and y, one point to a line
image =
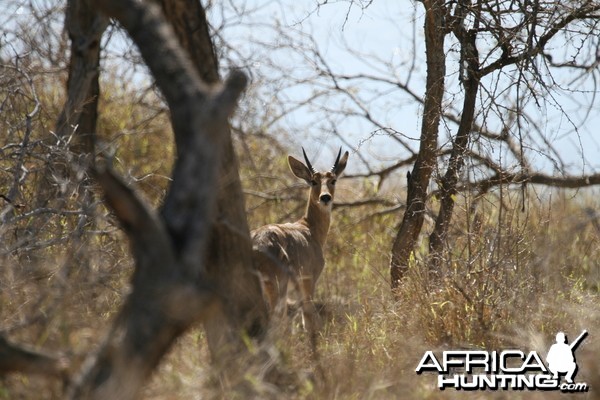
566	182
584	11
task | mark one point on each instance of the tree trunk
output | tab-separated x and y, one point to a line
85	27
448	189
412	222
229	257
170	288
78	117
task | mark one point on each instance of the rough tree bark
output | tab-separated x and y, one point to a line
85	27
170	290
448	184
229	258
77	120
412	222
466	25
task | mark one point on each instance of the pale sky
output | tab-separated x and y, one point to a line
384	31
384	40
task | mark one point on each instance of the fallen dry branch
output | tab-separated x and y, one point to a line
18	358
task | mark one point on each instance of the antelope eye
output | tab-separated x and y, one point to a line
313	183
333	182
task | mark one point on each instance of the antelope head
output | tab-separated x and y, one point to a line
322	184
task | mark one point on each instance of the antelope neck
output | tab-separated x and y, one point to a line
317	219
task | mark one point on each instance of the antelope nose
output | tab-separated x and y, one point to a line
325	198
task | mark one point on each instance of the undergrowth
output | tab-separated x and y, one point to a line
510	276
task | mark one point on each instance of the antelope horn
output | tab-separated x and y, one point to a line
337	160
308	164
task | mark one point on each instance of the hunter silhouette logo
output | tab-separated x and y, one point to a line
561	358
508	369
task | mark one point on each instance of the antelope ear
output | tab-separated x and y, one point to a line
339	168
299	169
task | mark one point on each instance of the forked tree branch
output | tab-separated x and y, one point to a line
169	289
448	184
412	222
229	258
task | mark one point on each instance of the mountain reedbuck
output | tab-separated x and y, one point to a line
294	251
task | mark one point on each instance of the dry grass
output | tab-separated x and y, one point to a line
520	281
513	280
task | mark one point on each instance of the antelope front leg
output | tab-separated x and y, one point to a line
310	316
270	293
